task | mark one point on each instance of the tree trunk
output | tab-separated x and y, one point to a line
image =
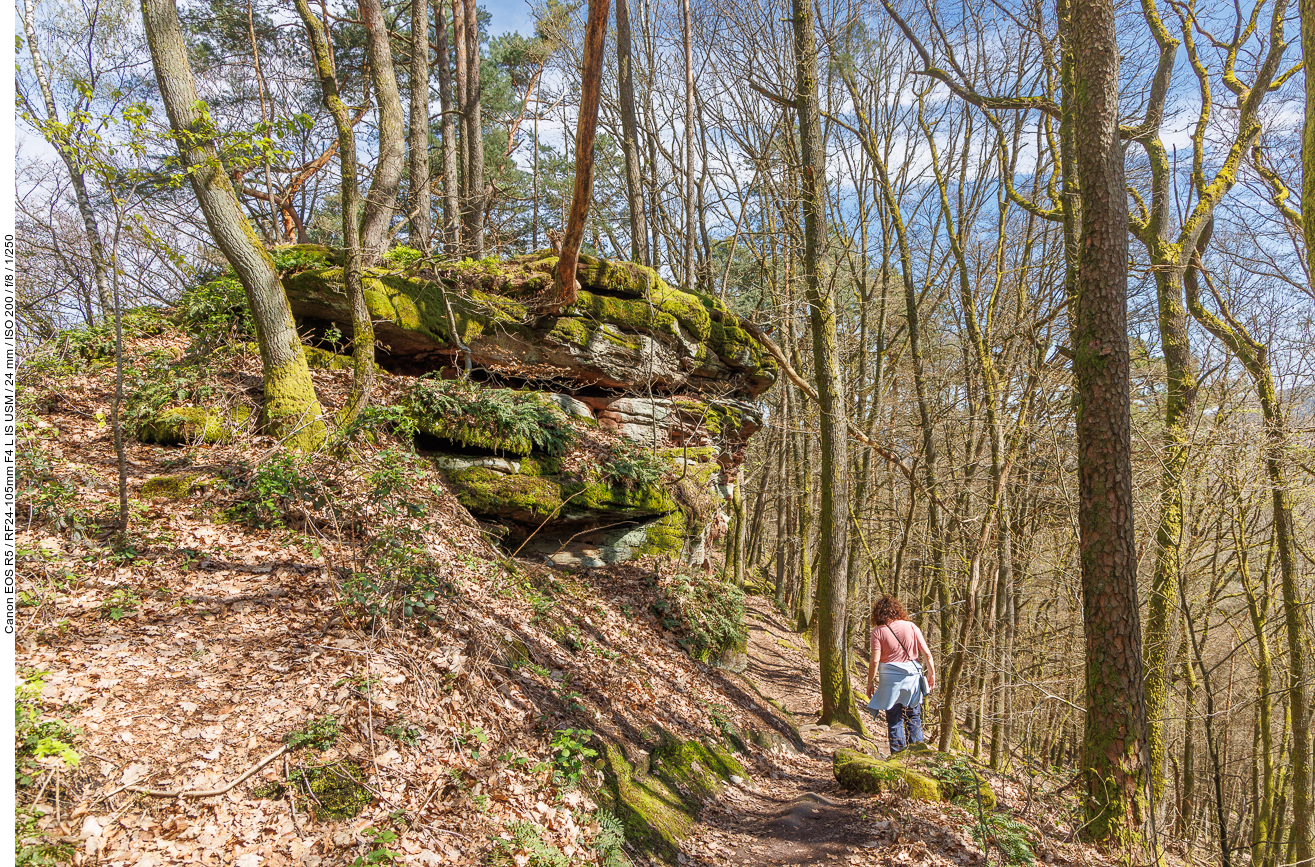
630	136
290	409
381	200
419	143
565	285
451	171
1113	760
362	325
837	694
687	29
475	135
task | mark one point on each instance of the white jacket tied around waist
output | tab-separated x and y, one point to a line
899	684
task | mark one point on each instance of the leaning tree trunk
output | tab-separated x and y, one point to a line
565	286
381	201
1113	760
362	326
837	693
290	409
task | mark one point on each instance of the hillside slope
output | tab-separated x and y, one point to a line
335	651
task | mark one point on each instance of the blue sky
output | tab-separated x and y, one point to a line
509	15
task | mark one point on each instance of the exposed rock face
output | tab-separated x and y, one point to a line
628	330
670	370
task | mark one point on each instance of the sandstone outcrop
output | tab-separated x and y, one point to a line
671	371
627	331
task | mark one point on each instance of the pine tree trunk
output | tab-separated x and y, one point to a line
448	125
475	136
565	285
1113	760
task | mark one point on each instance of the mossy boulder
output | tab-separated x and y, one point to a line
657	797
168	487
628	328
855	770
193	424
919	772
529	496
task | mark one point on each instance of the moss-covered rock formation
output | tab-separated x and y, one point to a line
193	424
918	772
657	797
627	329
168	487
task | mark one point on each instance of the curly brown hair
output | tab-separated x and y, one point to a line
888	609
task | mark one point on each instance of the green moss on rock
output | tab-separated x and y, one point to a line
655	817
513	495
855	770
665	536
694	768
339	791
193	424
168	487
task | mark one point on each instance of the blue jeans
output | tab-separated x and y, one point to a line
901	718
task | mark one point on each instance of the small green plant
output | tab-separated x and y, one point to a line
34	848
403	732
706	613
317	735
571	752
633	467
474	740
1013	838
610	841
279	484
403	257
380	839
527	848
35	738
120	604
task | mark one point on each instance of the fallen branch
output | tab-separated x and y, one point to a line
254	568
208	793
241	597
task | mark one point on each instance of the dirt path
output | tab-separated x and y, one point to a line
792	811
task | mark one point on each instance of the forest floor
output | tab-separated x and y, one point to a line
180	660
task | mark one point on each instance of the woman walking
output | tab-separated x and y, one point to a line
896	644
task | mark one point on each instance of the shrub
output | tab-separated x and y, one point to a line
35	738
632	466
706	613
403	257
216	306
